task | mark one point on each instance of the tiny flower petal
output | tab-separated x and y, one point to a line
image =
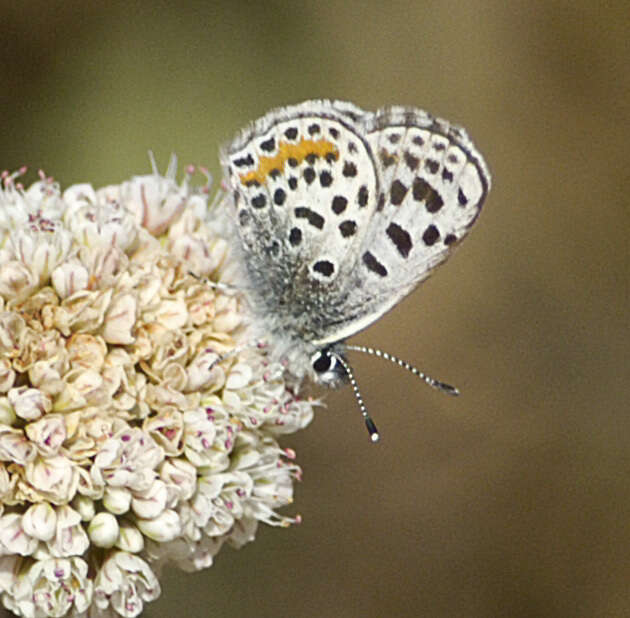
40	521
13	537
163	528
69	278
150	503
15	447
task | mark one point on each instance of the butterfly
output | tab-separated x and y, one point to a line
340	214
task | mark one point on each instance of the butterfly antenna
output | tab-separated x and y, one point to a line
369	423
441	386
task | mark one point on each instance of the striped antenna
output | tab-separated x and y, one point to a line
441	386
369	423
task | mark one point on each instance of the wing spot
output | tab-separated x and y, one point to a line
450	239
279	197
401	239
374	265
347	228
349	169
244	217
411	161
387	159
260	201
434	201
314	218
291	133
324	267
293	183
432	166
309	175
421	189
381	202
268	145
313	129
397	192
325	179
431	234
339	204
244	161
461	198
362	196
295	236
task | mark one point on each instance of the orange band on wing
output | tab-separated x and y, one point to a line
286	151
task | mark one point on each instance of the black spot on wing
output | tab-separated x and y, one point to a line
430	236
260	201
324	267
347	228
339	204
244	161
397	192
401	239
279	197
314	219
295	236
373	264
268	145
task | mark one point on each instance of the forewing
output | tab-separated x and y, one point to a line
434	183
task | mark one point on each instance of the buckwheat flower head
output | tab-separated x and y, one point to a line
139	420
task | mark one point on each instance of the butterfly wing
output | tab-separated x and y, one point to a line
434	183
304	186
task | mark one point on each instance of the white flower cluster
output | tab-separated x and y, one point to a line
138	423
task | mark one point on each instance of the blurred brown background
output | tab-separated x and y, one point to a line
513	500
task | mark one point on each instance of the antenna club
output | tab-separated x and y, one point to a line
449	390
372	430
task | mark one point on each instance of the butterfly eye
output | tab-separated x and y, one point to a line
330	372
322	361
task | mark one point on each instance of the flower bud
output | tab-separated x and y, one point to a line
103	530
116	500
130	538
